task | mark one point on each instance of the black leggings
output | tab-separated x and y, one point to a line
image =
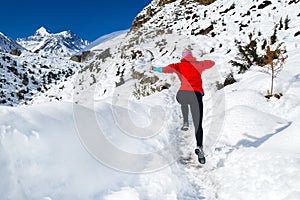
194	99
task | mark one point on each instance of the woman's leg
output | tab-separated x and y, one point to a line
185	113
197	114
182	99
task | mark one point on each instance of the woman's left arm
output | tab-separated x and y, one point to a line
206	64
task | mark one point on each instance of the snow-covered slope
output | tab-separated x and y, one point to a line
128	120
108	37
63	44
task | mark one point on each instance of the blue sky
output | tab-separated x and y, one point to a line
89	19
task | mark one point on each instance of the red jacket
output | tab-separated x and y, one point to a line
189	71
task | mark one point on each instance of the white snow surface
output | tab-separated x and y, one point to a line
115	147
108	37
256	155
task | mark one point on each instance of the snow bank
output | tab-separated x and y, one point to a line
43	155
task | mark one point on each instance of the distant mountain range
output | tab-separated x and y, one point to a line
63	44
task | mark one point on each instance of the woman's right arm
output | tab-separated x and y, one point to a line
157	69
168	69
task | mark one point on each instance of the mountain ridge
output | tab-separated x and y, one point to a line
7	44
64	44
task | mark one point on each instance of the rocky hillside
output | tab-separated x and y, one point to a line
62	44
22	77
34	64
213	29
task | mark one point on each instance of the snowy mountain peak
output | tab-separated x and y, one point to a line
67	34
41	32
65	43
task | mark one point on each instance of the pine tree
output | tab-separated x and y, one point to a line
247	55
286	23
274	36
280	24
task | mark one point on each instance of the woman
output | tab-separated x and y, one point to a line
190	93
